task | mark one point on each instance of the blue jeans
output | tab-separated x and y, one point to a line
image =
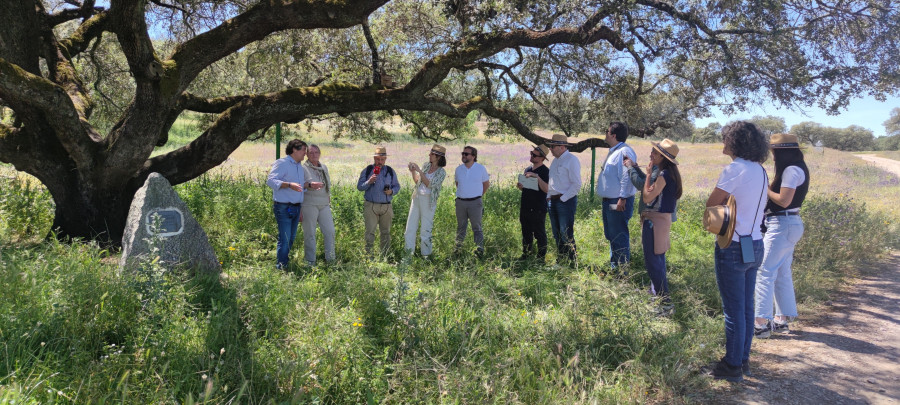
562	222
775	279
655	264
737	281
287	217
615	229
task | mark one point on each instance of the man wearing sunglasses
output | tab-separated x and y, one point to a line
533	205
472	180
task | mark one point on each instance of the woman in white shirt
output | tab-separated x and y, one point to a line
783	230
738	260
429	180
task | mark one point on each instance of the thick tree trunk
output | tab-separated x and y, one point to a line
97	216
87	211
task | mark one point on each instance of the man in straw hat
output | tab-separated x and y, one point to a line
533	205
617	193
286	179
379	183
565	182
472	181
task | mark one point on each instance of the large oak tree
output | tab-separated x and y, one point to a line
87	92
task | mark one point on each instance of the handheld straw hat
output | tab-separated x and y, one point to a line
784	141
720	220
438	150
667	148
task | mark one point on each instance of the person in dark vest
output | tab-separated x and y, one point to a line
533	206
783	230
659	195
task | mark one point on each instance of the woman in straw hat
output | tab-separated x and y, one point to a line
784	229
428	181
738	258
659	195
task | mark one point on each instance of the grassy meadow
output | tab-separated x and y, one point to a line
452	329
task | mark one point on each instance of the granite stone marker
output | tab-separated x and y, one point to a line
158	217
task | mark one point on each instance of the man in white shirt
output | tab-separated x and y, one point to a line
472	180
617	193
562	195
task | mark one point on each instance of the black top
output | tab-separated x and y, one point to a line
799	194
536	200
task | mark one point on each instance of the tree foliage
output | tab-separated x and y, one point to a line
852	138
89	91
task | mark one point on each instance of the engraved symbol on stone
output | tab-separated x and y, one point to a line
165	222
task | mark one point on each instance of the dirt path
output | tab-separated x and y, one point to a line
890	165
848	353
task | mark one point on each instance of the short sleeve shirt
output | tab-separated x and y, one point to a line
747	182
535	200
469	180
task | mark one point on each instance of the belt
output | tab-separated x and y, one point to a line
783	214
373	202
468	199
555	196
291	204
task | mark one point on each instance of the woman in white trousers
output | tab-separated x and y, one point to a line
316	207
428	181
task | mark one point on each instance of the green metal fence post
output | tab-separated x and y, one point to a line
278	140
593	161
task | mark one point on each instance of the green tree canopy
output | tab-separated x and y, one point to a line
90	92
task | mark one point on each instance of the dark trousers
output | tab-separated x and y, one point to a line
615	228
562	222
655	264
533	228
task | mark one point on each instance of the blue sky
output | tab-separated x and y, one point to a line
866	112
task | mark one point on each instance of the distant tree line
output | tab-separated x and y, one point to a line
851	138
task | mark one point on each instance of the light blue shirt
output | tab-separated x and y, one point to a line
287	170
614	181
375	192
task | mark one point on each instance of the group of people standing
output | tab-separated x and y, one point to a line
757	224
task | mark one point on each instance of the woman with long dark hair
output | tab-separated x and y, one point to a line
737	258
783	230
660	191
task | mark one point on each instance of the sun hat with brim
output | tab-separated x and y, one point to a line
542	150
380	151
667	148
558	139
438	150
720	220
783	141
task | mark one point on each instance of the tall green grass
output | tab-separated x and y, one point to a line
450	329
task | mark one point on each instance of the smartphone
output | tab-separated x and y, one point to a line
377	170
747	254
